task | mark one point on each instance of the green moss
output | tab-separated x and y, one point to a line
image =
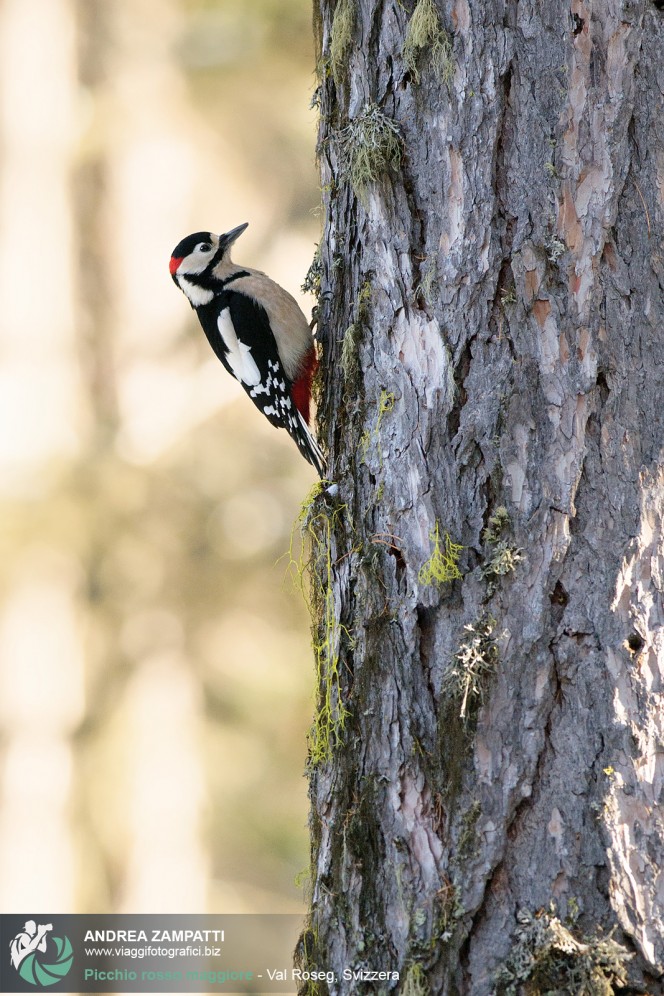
341	38
547	958
307	958
443	564
363	301
369	146
426	37
415	982
317	521
472	665
468	835
353	335
385	404
304	880
350	357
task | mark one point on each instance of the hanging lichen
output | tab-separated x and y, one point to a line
426	38
472	665
443	564
341	38
426	286
367	147
317	522
314	275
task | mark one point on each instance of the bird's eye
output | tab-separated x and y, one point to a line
203	247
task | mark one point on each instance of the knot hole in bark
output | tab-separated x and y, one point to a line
559	596
602	384
559	599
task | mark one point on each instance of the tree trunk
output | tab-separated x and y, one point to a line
486	761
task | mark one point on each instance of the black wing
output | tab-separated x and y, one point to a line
238	329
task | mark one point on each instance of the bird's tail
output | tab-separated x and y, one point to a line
309	447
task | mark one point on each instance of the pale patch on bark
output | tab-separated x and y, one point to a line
633	811
455	195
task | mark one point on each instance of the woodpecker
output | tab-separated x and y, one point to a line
255	328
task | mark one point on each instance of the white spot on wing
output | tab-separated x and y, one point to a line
238	353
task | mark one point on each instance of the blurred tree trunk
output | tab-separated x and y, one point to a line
492	312
91	211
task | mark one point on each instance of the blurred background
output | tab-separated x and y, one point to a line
156	684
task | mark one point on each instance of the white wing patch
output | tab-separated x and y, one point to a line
238	354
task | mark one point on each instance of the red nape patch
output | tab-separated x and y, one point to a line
174	263
301	392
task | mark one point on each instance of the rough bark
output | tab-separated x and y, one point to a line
492	318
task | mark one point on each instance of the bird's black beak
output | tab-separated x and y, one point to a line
227	240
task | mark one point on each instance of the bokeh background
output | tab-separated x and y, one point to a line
155	674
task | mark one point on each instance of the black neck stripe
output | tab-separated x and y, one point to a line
214	284
235	276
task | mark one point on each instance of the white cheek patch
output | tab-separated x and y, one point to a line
238	354
197	295
196	262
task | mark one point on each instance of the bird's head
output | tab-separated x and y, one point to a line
196	262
